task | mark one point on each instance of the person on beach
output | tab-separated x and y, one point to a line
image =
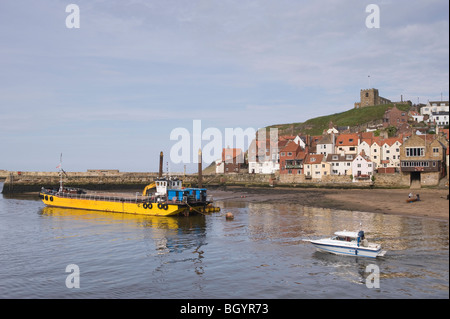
410	195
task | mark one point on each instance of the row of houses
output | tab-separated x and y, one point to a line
436	112
358	155
330	154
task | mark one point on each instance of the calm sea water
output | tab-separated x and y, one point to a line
259	254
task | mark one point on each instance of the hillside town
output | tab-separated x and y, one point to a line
412	143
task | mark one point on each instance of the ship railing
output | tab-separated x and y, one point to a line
101	197
136	199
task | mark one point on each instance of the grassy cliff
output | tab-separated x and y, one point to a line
350	118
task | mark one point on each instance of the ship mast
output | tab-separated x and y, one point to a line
60	174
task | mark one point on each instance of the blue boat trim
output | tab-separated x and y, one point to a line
359	248
344	253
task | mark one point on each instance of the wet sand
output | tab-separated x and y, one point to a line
433	204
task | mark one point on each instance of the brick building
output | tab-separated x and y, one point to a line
232	161
291	159
395	117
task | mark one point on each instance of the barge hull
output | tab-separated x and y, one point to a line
113	206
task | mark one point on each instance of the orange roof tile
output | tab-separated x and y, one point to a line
313	158
347	139
391	141
291	147
233	152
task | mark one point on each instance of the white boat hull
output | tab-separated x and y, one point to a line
348	249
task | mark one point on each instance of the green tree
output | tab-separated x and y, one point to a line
391	130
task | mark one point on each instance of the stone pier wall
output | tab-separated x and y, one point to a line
19	182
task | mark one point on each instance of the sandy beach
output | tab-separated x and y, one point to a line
433	204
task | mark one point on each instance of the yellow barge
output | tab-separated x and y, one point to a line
169	199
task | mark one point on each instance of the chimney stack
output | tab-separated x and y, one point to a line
161	156
200	168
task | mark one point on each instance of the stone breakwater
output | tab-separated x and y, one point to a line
22	182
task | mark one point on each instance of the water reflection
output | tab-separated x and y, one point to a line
276	221
168	234
259	254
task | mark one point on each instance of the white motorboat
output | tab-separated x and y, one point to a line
348	243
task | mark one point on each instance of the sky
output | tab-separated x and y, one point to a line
107	95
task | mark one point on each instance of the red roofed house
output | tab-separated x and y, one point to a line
315	166
232	161
347	143
291	159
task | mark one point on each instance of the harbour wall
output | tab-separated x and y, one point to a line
21	182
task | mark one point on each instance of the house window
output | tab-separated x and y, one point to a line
435	149
359	165
282	153
415	151
335	157
289	154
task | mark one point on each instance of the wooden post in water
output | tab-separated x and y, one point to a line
200	168
161	156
